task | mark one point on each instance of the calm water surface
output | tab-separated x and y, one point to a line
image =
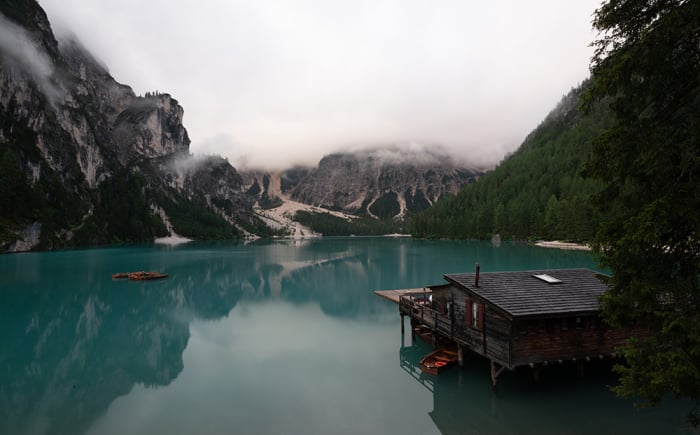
271	338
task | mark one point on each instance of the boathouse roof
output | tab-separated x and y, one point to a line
536	293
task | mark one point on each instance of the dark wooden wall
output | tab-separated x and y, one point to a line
519	342
491	340
536	341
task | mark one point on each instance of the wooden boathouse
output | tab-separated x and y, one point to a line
525	318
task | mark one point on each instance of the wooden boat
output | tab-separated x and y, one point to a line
120	275
424	333
436	362
139	276
146	276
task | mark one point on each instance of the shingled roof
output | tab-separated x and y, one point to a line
521	294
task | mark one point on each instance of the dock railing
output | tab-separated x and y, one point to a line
418	305
409	361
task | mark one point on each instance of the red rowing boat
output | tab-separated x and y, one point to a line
139	276
436	362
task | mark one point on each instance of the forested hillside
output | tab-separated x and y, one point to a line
538	191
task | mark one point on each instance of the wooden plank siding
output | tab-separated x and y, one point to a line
556	341
448	316
520	319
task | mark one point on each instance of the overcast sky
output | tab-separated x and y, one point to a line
272	83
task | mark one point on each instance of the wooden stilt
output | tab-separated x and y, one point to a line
460	355
402	327
495	372
413	331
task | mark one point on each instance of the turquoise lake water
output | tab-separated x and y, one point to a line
273	337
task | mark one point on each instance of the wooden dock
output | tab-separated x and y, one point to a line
395	295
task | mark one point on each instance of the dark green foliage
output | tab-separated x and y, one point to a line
254	189
47	200
386	206
194	220
15	191
536	192
121	213
266	202
416	202
256	226
329	225
649	161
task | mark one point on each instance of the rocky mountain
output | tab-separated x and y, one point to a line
83	160
86	161
381	183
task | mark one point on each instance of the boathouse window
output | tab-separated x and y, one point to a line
474	314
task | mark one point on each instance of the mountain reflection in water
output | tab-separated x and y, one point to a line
270	337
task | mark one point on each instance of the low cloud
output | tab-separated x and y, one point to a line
273	83
412	153
191	163
24	52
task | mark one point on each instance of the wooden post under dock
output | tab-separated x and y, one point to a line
495	372
515	318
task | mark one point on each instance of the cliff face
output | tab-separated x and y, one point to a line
67	127
382	183
84	160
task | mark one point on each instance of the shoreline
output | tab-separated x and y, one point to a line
172	240
562	245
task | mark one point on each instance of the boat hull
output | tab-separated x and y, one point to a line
139	276
437	362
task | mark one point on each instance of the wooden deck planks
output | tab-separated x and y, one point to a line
394	295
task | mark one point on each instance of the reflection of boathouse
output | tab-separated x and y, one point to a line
530	318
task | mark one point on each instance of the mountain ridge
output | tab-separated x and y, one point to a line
94	161
85	161
361	182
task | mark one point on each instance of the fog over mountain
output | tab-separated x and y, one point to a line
19	49
272	84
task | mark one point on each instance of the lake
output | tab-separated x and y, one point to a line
272	337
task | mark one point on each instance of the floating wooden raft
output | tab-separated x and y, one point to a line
139	276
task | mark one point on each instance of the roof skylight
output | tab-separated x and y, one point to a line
548	278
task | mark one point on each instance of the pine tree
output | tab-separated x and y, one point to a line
648	59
